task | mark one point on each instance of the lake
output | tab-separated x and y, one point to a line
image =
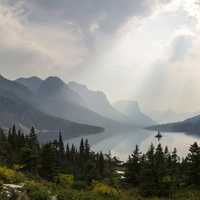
121	144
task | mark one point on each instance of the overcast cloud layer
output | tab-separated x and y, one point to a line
144	50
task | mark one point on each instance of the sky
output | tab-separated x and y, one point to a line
142	50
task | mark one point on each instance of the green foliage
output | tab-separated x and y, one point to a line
49	162
66	195
83	195
79	185
37	191
133	168
193	168
51	159
65	180
10	176
104	189
154	173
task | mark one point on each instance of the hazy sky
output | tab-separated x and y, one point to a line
144	50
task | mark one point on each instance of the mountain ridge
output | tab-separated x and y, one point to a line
32	83
17	110
132	110
76	102
190	125
97	101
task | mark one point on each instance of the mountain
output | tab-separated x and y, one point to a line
169	116
58	99
19	112
15	110
33	83
15	88
55	88
76	102
191	125
98	102
132	110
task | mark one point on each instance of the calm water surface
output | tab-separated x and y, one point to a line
121	144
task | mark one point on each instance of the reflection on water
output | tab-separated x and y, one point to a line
121	144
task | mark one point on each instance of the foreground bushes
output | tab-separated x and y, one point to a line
65	180
104	189
64	189
37	191
10	176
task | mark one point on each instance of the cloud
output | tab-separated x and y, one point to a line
180	47
30	48
109	14
46	37
93	17
147	47
173	81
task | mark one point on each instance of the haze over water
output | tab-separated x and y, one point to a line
122	144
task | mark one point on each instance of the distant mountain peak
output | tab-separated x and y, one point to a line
32	83
34	78
2	77
80	88
132	110
128	106
55	81
53	78
189	126
76	85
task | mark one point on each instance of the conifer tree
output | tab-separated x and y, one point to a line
30	153
194	164
3	148
87	148
133	167
49	167
101	165
61	150
82	147
33	141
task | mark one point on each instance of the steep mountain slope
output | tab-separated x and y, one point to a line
56	98
132	110
15	88
191	125
55	88
15	111
33	83
98	102
76	102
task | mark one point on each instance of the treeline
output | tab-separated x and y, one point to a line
51	159
161	173
158	172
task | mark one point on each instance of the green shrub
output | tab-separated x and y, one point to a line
79	185
39	195
65	195
10	176
82	195
37	191
104	189
187	194
65	180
